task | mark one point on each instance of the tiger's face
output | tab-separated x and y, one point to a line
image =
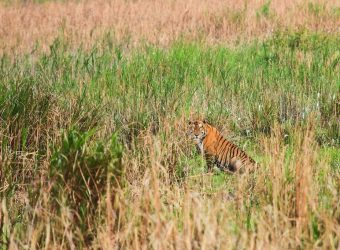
197	130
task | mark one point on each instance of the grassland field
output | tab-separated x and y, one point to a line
94	151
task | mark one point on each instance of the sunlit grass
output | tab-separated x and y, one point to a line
94	149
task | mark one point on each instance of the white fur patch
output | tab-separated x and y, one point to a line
200	146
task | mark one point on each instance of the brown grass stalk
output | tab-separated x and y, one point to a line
24	26
304	184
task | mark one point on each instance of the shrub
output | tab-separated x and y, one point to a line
80	172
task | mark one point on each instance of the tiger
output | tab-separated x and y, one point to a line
217	150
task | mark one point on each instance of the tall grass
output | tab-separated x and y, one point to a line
94	151
32	25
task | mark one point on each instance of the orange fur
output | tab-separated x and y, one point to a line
217	150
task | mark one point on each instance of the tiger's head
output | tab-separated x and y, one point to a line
198	130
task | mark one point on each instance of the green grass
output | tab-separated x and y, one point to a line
283	79
59	110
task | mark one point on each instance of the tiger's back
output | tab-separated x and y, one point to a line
230	156
217	150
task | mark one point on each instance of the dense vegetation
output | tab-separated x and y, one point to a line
94	152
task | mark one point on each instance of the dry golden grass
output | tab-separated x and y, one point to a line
150	213
276	99
23	26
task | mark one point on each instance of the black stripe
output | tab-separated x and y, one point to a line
230	154
233	151
220	148
219	139
242	154
243	159
220	153
224	154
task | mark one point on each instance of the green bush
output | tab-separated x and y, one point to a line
80	173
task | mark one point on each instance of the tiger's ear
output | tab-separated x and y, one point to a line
189	122
205	121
